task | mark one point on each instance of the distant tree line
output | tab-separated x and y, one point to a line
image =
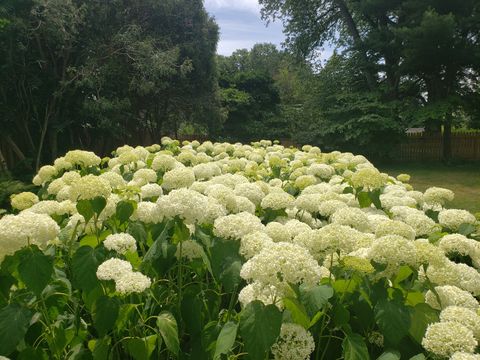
79	73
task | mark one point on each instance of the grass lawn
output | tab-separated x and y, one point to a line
464	180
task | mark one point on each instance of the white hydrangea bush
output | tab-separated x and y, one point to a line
258	249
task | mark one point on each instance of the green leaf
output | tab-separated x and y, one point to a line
418	357
354	347
364	199
466	229
421	317
14	321
124	210
226	339
180	232
390	355
141	348
98	204
226	263
348	190
106	314
155	251
169	330
297	311
393	319
314	298
259	328
84	208
35	268
341	316
432	214
375	197
85	263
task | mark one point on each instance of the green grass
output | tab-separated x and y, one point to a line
464	180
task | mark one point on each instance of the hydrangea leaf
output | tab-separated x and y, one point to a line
354	347
35	268
259	327
226	339
167	325
106	314
85	262
393	319
421	317
14	321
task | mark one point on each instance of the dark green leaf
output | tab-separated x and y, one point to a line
106	314
85	263
375	197
354	347
259	327
364	199
98	204
466	229
168	328
124	210
418	357
393	319
35	268
14	321
84	208
226	339
314	298
155	251
341	316
432	214
390	355
141	348
297	312
421	317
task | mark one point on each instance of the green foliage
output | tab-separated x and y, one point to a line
14	322
259	328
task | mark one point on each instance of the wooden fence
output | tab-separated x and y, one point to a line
418	147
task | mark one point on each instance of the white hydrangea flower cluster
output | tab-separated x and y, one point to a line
230	189
23	200
26	228
294	342
121	243
126	280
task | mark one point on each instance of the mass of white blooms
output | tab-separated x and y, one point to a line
26	228
447	338
296	216
453	218
132	282
294	342
150	191
236	226
121	243
353	217
450	295
392	227
438	196
82	158
464	356
280	264
393	250
461	315
187	204
113	269
23	200
277	201
89	187
178	178
368	178
190	250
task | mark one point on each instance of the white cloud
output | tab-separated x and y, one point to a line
249	5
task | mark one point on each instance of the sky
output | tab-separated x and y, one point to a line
241	25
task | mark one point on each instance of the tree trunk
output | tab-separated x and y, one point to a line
355	34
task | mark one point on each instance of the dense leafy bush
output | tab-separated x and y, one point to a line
223	250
